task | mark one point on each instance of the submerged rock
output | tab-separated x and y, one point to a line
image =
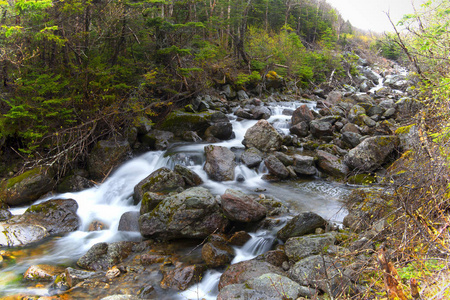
103	256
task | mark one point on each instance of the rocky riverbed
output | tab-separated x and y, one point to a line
187	220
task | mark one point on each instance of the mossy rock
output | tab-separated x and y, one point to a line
181	121
27	187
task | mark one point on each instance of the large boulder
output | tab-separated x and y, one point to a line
302	114
241	208
268	286
263	137
320	128
220	130
220	163
105	156
246	270
103	256
162	180
407	107
26	187
12	235
371	153
304	223
194	213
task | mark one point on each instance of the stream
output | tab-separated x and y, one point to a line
108	201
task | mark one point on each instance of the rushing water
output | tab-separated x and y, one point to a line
108	201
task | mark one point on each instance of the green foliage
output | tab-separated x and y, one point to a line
389	48
421	269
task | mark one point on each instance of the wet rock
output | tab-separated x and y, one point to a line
301	129
194	213
300	247
241	208
220	163
239	238
150	259
262	136
129	221
371	153
276	167
74	276
304	223
274	207
103	256
182	277
190	136
261	112
106	155
158	139
304	165
265	287
331	164
252	157
42	272
217	254
302	114
56	216
243	113
162	180
220	130
74	183
26	187
21	234
246	270
190	177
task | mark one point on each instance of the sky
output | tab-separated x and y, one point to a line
369	14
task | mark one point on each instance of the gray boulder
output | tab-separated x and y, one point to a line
300	129
371	153
263	137
220	163
261	112
320	128
129	221
194	213
190	177
406	107
219	130
304	223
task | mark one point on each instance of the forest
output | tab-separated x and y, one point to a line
74	71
